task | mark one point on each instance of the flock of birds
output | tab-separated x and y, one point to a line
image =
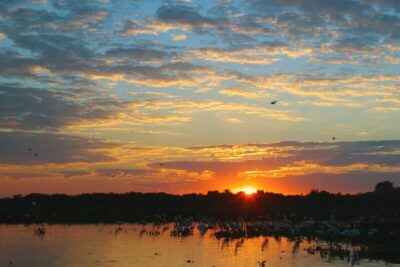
238	231
35	154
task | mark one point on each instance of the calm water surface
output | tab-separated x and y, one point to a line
100	245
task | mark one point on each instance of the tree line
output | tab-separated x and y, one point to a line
142	207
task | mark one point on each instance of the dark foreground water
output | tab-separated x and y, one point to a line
106	245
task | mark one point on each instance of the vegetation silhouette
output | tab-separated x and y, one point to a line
383	202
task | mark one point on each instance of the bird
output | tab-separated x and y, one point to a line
36	155
274	102
264	244
262	263
142	232
333	138
161	164
40	231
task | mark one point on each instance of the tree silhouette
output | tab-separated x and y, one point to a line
136	206
384	187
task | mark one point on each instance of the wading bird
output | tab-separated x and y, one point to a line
262	263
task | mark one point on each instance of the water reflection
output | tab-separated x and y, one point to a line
145	245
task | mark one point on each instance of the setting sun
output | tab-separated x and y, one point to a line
248	190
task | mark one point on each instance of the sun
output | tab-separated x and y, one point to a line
248	190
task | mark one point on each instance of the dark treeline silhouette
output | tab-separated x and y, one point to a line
383	203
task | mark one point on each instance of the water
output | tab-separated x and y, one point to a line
100	245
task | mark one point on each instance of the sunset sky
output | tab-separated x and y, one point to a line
175	96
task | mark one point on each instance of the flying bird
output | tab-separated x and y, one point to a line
274	102
36	155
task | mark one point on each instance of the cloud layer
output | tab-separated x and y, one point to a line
123	95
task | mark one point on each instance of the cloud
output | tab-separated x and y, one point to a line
37	109
140	54
241	57
179	37
69	174
241	92
316	164
173	17
150	176
187	16
264	53
178	73
234	120
187	106
19	148
137	76
123	173
296	158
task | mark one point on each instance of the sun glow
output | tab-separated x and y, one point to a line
248	190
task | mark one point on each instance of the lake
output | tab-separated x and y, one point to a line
106	245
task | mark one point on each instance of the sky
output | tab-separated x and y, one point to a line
175	96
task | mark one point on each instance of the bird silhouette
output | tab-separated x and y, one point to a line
262	263
274	102
333	138
36	155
